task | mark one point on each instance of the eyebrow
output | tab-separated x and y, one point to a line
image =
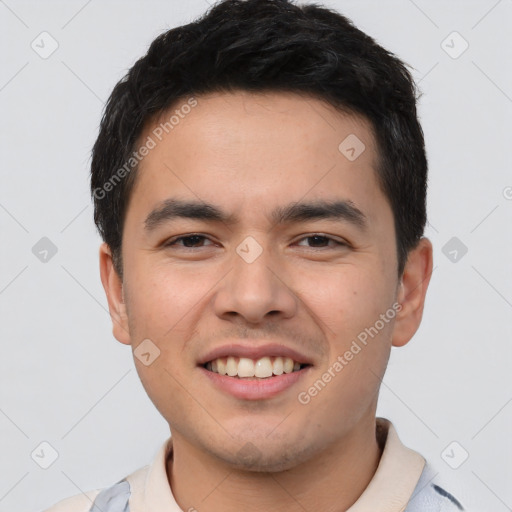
296	212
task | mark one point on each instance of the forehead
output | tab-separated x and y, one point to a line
246	150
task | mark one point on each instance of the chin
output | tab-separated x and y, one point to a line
270	458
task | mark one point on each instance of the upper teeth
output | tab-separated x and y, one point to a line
244	367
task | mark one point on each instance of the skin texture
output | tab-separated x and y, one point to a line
248	153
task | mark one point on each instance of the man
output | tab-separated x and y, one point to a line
259	182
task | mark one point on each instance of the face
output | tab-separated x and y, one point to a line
251	278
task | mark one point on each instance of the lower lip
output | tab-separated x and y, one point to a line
255	389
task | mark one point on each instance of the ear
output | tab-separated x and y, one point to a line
411	292
113	287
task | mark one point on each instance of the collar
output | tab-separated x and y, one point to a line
396	477
389	490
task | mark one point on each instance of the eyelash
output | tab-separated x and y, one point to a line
172	241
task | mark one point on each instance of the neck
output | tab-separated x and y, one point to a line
331	481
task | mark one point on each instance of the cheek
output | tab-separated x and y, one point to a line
359	345
162	298
162	310
348	300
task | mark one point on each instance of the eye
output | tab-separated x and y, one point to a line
196	241
322	240
189	241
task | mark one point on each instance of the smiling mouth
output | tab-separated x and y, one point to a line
245	368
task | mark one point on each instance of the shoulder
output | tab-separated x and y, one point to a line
78	503
115	498
430	496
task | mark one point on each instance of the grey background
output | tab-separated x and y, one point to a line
65	379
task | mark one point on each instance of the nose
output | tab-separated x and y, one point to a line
255	290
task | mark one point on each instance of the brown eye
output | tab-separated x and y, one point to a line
189	241
321	241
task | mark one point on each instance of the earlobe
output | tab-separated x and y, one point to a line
412	291
113	287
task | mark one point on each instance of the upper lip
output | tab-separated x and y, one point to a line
253	352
